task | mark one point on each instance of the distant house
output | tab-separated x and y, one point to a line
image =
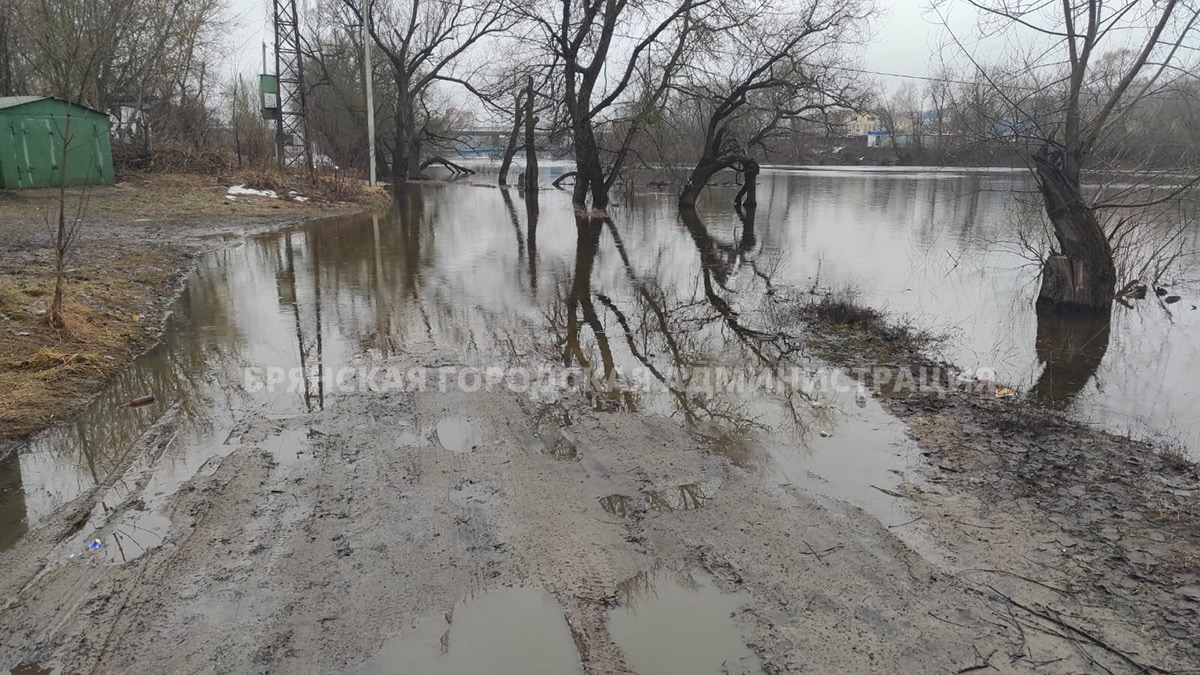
863	124
32	133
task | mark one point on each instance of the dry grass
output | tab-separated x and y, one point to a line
11	296
44	372
337	186
841	312
117	276
1175	457
267	179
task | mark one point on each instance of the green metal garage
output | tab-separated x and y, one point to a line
32	129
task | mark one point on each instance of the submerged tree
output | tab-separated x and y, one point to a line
425	43
617	59
763	67
1090	64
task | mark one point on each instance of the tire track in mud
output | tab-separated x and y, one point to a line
566	543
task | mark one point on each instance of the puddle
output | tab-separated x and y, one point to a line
128	537
864	452
458	435
682	497
290	446
687	497
508	630
670	622
621	506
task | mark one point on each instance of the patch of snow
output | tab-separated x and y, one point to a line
296	196
243	190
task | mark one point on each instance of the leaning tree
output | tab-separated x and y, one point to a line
765	66
1086	65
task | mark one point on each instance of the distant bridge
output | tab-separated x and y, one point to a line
491	141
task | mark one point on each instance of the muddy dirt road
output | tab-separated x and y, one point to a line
427	528
415	506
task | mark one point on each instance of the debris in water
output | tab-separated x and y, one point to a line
1172	299
1004	392
1160	291
825	434
138	402
1135	290
94	545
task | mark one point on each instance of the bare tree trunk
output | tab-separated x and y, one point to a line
456	169
589	174
704	171
531	163
406	157
54	317
63	234
1080	277
748	195
511	149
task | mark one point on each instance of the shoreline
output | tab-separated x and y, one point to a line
122	281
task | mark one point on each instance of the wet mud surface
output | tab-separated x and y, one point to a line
319	524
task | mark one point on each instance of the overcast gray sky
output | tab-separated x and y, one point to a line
904	38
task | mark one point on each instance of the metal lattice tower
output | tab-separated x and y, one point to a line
291	125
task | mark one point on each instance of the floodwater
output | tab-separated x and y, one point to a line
651	300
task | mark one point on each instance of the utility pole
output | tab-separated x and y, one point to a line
237	136
368	81
292	132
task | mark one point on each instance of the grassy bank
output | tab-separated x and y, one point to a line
138	240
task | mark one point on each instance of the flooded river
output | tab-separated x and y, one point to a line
648	291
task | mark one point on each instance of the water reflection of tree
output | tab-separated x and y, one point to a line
527	255
12	501
1071	349
672	332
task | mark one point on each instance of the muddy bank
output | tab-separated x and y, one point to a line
1113	524
138	242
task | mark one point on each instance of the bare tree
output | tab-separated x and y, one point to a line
763	65
64	229
11	71
900	115
142	61
1089	65
617	59
426	41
